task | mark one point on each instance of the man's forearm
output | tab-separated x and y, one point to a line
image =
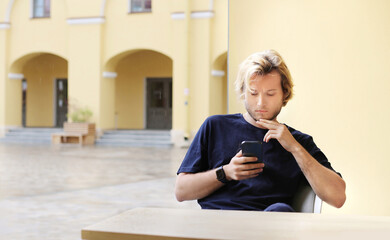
329	186
192	186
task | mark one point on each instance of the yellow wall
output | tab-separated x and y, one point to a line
200	5
77	8
84	83
199	45
219	31
218	87
37	35
40	74
120	29
94	48
25	39
130	85
338	54
3	79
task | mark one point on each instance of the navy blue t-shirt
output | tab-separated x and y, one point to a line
218	141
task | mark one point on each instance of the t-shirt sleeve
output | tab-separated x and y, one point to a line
196	157
308	143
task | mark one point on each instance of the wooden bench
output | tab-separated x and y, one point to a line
81	133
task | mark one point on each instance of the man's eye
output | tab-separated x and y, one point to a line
254	93
270	94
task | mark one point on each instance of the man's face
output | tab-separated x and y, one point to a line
266	99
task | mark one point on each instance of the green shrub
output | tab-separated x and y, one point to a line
80	115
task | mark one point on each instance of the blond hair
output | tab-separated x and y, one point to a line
262	63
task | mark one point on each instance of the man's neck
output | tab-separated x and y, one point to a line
250	120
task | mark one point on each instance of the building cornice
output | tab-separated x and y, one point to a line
110	74
16	76
85	20
217	73
5	25
202	14
178	15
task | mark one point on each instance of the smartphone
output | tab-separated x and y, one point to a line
252	149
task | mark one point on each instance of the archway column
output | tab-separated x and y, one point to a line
3	79
85	74
107	100
181	73
200	70
10	89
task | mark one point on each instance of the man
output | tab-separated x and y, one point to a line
215	172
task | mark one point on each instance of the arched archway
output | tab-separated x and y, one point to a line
218	85
41	95
143	89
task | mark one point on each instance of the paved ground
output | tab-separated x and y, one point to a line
52	192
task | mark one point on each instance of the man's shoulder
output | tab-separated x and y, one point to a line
224	120
300	136
224	117
221	121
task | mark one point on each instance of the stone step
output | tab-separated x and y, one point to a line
139	132
139	138
136	137
27	134
25	140
133	144
35	130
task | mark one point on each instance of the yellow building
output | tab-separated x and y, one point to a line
137	64
338	54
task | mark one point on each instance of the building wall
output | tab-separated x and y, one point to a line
30	35
337	52
94	36
218	87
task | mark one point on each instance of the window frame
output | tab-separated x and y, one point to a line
46	9
131	10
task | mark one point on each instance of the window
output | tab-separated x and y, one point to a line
41	8
137	6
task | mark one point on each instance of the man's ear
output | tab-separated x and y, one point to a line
284	99
242	95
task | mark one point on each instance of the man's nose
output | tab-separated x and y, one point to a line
260	100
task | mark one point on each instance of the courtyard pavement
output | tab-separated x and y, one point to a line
52	192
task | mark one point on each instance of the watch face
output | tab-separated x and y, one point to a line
221	175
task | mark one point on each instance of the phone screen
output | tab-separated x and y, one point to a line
252	149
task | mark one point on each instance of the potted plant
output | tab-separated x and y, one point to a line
79	123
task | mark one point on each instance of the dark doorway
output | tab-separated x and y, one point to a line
24	100
159	103
61	102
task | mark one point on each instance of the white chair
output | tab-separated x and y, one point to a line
305	200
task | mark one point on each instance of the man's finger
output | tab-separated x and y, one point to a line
251	166
266	136
250	174
269	136
268	124
239	154
249	159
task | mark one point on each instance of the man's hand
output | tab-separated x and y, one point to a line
241	168
279	132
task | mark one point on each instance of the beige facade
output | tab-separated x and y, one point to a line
107	54
338	54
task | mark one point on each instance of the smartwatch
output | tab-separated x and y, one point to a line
221	176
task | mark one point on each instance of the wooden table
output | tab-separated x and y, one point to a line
158	223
